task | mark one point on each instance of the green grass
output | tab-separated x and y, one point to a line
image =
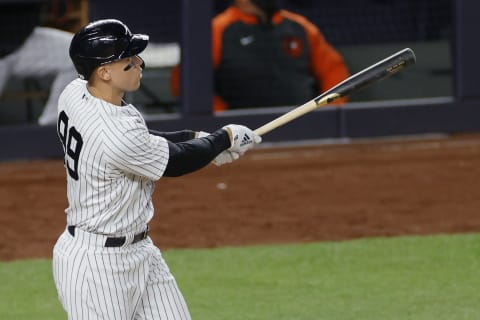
27	291
396	278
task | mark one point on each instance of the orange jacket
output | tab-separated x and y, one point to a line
325	64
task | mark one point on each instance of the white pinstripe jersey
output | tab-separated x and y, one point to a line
111	160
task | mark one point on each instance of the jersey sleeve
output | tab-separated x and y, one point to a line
131	148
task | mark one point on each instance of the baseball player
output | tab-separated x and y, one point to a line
105	266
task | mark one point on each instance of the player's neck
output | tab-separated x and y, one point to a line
106	93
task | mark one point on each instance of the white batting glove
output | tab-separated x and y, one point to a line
201	134
225	157
241	138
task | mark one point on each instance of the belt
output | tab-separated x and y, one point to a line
116	241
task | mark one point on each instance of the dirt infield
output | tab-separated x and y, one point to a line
274	195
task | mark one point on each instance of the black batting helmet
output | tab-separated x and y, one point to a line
101	42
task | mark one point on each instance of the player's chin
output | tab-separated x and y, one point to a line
134	86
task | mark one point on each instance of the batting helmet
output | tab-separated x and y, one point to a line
102	42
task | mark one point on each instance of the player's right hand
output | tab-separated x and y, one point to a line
241	138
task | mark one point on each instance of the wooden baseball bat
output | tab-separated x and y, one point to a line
376	72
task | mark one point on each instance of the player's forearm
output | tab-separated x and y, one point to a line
189	156
175	136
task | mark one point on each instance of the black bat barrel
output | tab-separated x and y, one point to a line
379	71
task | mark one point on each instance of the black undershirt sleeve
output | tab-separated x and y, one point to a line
189	156
175	136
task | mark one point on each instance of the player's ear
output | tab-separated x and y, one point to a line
103	73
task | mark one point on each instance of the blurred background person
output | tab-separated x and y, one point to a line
27	49
264	56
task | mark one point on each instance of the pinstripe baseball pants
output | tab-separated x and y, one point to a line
128	282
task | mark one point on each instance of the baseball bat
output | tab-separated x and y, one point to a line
376	72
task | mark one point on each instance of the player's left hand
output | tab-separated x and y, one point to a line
201	134
225	157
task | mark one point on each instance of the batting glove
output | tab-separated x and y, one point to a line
201	134
241	138
224	157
